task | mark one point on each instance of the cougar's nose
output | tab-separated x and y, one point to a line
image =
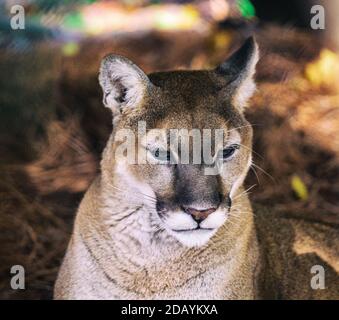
198	215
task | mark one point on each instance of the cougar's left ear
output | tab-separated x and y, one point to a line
238	70
123	83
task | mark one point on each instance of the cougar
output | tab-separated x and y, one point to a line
163	229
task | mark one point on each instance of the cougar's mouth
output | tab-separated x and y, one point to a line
193	237
193	229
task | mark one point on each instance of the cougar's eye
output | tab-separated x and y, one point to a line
229	151
161	154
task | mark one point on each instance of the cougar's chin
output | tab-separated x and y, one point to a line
193	238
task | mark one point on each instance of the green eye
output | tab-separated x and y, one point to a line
229	151
161	154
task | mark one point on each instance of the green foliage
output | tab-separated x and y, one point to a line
246	8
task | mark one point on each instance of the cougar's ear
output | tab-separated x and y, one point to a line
238	70
123	83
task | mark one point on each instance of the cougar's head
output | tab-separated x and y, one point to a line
180	140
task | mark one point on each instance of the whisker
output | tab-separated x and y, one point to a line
145	195
249	125
262	170
244	192
256	174
250	149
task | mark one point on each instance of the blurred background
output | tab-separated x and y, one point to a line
53	126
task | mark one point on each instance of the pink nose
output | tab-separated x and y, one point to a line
199	215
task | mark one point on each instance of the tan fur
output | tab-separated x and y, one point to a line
290	248
120	248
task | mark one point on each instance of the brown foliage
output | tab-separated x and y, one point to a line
296	132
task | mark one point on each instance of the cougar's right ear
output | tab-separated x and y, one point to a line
123	83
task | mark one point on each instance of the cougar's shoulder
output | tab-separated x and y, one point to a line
300	257
73	277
